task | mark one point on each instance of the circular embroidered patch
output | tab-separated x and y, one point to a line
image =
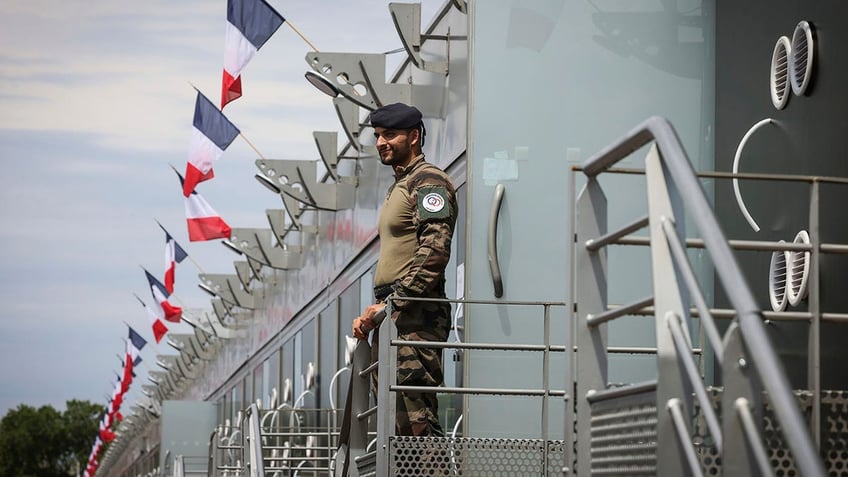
433	202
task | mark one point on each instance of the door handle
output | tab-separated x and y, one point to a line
494	265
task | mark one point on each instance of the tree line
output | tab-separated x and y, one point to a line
43	442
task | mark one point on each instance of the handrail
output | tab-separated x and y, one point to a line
674	407
603	317
694	290
700	390
676	162
743	409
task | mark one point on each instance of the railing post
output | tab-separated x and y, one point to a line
360	393
814	299
670	297
387	404
740	381
179	469
256	466
591	297
211	468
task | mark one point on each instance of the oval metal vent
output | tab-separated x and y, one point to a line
779	74
777	280
801	58
798	263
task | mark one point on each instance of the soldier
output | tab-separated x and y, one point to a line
415	225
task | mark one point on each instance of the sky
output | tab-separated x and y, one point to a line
96	105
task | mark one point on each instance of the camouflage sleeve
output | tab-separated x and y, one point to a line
435	217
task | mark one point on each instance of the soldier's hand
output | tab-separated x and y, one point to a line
364	323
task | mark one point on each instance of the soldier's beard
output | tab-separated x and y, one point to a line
387	157
393	156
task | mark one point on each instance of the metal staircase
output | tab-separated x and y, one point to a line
647	429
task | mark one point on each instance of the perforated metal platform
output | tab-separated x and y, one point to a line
623	443
416	456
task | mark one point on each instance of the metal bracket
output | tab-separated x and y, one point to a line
359	77
327	143
298	180
256	243
227	288
244	274
190	344
217	321
348	113
277	219
407	20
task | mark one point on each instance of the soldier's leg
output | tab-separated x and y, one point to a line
418	412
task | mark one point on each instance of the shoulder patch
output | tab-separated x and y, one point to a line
433	202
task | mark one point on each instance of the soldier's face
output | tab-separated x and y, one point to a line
394	145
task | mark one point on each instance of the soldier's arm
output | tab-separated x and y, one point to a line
435	223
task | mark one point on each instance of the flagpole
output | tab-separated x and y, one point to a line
195	264
173	295
314	48
251	145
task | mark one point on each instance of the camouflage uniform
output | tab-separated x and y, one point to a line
416	226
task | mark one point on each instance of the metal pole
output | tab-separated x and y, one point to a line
546	385
814	352
571	314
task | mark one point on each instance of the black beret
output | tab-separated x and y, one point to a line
396	116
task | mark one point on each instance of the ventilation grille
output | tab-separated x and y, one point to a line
801	64
799	270
779	75
777	280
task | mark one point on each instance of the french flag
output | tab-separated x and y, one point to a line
174	254
159	328
128	374
250	23
136	343
203	222
160	294
211	134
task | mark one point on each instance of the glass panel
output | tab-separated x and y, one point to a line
258	386
349	308
328	344
309	358
287	365
266	384
272	369
552	83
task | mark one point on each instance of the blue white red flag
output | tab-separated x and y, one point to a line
202	220
160	295
211	133
159	328
137	343
129	372
250	23
174	254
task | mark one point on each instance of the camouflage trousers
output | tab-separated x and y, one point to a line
417	413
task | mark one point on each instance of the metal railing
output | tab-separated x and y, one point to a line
280	442
227	450
745	355
452	455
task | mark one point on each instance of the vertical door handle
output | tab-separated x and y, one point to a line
494	265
